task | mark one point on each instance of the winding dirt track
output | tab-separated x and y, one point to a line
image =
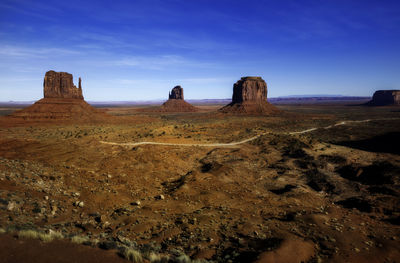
236	144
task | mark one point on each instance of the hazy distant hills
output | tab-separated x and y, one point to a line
317	98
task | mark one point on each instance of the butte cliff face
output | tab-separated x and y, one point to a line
61	85
175	103
176	93
62	101
250	97
249	89
385	97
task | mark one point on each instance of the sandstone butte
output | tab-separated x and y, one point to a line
385	97
62	101
250	97
176	102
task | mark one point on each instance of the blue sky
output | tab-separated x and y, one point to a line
140	49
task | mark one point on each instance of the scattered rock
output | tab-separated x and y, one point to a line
160	197
137	203
11	206
79	203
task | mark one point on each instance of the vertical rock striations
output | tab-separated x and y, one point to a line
175	103
176	93
250	97
62	101
61	85
249	89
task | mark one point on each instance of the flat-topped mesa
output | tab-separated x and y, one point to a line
176	93
250	97
61	85
249	89
385	97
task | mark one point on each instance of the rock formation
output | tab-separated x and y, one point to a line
60	85
249	89
62	101
175	103
176	93
249	97
385	97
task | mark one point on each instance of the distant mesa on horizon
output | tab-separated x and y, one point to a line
250	97
62	101
385	98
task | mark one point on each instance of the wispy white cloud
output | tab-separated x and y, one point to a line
205	80
29	52
158	62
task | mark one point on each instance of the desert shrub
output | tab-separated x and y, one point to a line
28	234
183	259
45	237
157	258
79	239
2	231
132	255
48	237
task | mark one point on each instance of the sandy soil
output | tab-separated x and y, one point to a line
327	195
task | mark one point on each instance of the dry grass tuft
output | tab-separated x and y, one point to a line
2	230
157	258
45	237
28	234
183	259
79	239
133	255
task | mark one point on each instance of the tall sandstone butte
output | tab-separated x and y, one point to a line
250	97
250	89
176	93
385	97
175	103
61	85
62	101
